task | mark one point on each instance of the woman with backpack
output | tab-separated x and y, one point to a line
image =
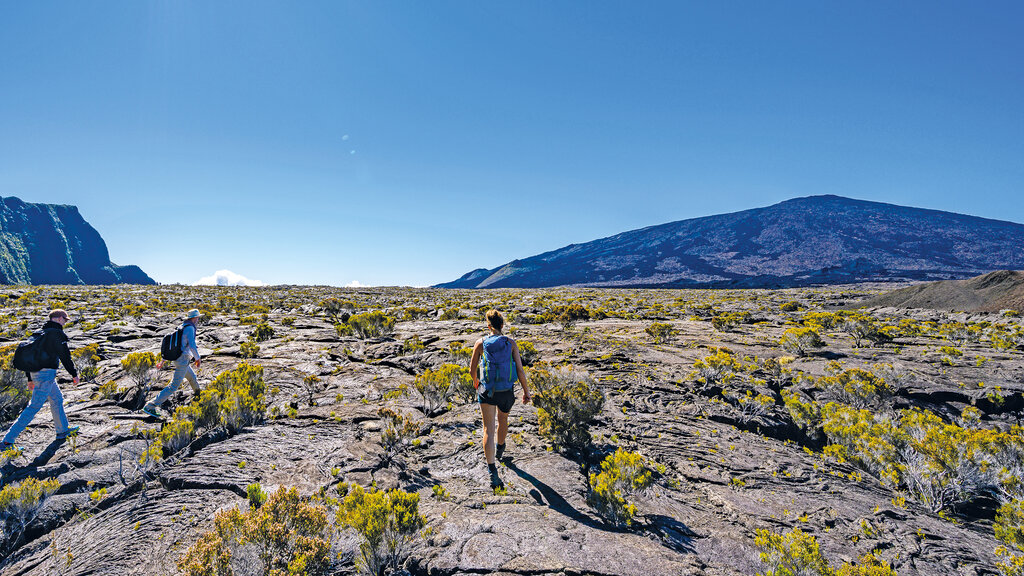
494	380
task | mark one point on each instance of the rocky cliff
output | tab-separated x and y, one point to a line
804	241
53	244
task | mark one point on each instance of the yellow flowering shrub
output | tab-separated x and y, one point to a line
622	474
288	535
386	522
567	400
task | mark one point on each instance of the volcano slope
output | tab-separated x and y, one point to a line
888	444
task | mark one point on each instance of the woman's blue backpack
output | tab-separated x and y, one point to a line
498	369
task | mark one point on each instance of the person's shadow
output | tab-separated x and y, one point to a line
48	453
675	534
544	494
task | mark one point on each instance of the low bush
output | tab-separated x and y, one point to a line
801	341
797	553
527	352
14	392
567	400
374	324
262	332
622	474
436	387
853	386
791	554
569	315
716	369
311	385
387	523
19	504
285	535
660	332
397	430
139	366
249	349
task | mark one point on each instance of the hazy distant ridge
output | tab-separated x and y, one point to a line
53	244
812	240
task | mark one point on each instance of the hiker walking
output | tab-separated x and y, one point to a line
495	382
39	357
183	351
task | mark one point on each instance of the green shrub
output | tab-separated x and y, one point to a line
792	554
854	386
801	341
386	522
311	384
660	332
413	345
728	322
262	332
622	474
140	367
256	495
791	306
248	349
437	386
242	396
527	352
14	392
396	431
289	536
571	314
566	401
374	324
716	369
20	503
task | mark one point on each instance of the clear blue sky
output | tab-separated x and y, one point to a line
409	142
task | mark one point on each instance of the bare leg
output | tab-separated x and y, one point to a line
502	426
488	411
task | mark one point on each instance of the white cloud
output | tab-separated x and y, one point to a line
355	284
226	278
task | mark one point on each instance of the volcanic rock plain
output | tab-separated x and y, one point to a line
723	468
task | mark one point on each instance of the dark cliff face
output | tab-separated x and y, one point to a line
804	241
53	244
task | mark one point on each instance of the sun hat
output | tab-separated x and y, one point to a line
193	313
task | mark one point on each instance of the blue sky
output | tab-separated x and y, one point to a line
409	142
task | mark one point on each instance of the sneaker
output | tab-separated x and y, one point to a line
499	452
71	431
151	410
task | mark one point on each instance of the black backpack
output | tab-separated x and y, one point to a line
32	355
170	346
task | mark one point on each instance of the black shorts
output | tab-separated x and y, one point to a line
503	400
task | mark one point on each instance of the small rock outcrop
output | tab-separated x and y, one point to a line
53	244
992	292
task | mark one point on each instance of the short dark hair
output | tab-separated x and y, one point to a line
58	313
495	319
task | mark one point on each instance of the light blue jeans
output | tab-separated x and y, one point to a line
46	389
182	370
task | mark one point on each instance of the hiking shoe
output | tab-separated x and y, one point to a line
499	452
151	410
71	431
495	479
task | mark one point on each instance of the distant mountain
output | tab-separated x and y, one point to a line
53	244
799	242
992	292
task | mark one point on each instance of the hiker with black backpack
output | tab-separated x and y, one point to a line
38	357
179	347
495	379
